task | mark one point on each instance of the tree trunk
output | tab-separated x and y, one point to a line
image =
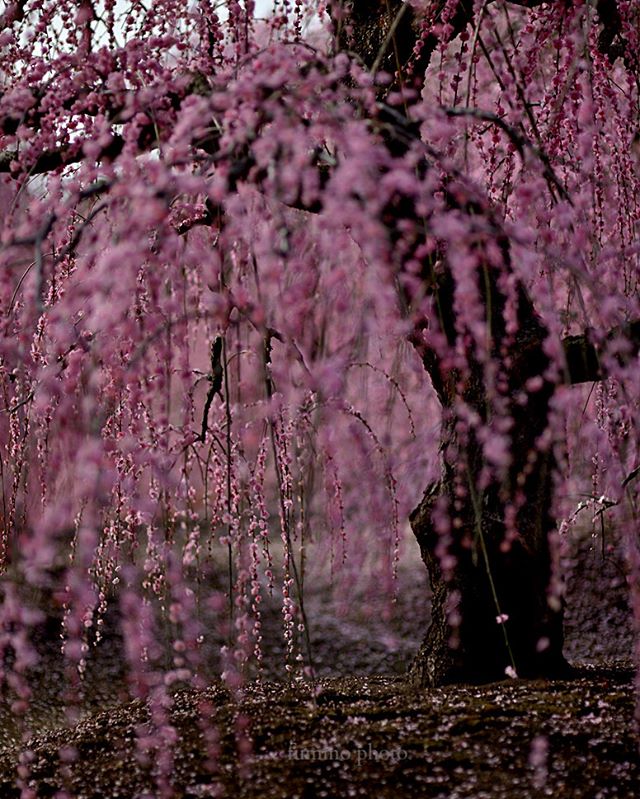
489	559
465	641
491	610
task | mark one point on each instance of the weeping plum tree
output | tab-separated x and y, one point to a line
277	276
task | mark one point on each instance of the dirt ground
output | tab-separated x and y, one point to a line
363	736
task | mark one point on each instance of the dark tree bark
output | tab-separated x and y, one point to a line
492	578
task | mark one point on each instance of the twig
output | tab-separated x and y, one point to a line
521	143
215	378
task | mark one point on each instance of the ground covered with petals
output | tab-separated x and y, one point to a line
369	736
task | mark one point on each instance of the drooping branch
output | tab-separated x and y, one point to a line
582	356
113	106
583	361
387	35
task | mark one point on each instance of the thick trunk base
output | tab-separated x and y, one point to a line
465	641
